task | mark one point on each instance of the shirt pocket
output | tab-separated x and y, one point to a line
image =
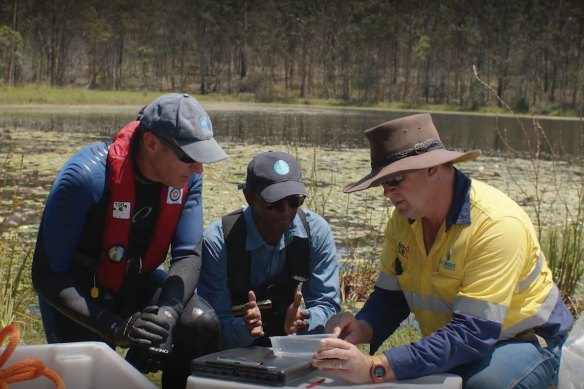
445	284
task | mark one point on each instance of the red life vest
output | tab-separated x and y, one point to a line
111	268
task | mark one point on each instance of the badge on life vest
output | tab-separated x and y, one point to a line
174	195
116	253
121	210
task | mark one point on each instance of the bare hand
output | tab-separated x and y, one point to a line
344	359
252	316
345	326
295	317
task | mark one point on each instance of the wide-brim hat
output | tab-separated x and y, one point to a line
274	175
405	144
180	116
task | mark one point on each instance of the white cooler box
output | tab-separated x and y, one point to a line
81	365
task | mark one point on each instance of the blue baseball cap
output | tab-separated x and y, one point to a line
182	118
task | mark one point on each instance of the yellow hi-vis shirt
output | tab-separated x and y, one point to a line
491	267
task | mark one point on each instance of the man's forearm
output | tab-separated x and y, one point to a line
181	281
59	291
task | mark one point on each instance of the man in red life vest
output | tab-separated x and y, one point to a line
114	210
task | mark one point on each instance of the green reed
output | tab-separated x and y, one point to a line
562	242
16	292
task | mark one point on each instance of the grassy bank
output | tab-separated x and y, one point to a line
42	94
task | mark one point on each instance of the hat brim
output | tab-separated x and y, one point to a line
204	151
420	161
279	190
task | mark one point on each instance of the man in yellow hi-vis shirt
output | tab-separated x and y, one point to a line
465	259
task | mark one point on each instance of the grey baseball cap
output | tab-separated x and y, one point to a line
181	117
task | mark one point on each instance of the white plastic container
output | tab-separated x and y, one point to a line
297	345
571	375
81	365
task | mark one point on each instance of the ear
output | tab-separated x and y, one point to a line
249	197
433	171
149	141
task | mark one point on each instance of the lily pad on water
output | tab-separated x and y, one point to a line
32	158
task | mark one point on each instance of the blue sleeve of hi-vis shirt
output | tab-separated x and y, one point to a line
463	340
384	310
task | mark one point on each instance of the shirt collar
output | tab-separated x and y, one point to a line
254	240
459	212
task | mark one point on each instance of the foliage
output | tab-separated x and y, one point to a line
565	248
15	290
360	263
14	293
382	51
259	84
563	244
406	333
10	50
320	189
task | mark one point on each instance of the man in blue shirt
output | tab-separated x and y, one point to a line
259	262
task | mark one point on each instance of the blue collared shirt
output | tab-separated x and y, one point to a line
320	292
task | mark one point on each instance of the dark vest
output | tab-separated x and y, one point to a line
281	289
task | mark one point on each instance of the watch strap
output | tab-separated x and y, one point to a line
378	371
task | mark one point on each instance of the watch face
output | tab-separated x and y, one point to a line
379	371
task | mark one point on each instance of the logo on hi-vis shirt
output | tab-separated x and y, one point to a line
121	210
174	196
403	250
447	265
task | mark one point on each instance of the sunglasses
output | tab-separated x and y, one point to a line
394	181
177	151
293	201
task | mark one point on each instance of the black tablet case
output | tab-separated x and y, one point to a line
256	365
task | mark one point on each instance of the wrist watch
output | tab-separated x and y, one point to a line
377	370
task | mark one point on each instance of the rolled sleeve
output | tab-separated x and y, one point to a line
321	291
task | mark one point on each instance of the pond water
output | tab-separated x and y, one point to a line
334	128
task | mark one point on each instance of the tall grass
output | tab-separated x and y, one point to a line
15	253
562	243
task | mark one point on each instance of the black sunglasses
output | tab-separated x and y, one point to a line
394	181
294	201
178	152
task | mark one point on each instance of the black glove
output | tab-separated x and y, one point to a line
152	359
144	328
170	317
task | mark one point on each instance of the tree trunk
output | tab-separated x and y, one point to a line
203	63
11	65
119	63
